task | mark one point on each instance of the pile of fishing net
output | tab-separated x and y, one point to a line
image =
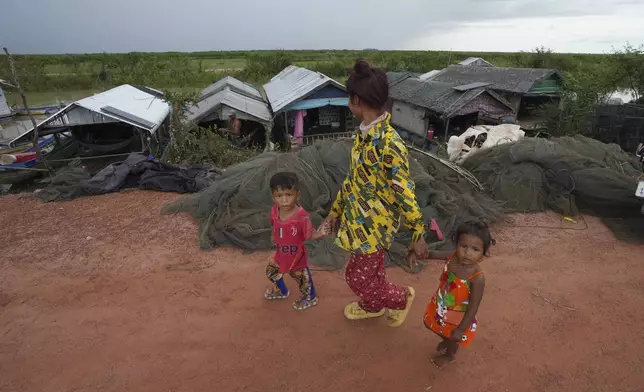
566	175
235	209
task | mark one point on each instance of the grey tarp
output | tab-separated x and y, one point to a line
137	171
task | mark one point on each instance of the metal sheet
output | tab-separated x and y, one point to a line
131	100
293	84
429	75
142	123
471	86
80	116
252	107
123	99
234	85
513	80
4	107
476	61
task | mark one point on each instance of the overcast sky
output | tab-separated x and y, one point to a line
79	26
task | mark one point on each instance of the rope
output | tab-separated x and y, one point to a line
464	173
511	224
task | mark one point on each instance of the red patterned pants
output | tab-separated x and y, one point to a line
366	277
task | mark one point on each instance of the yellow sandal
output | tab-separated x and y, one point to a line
397	317
353	311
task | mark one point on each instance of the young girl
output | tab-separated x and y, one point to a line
451	313
291	228
375	194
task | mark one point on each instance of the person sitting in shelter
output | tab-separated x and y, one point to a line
234	125
430	137
234	132
376	192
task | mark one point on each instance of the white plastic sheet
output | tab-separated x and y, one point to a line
458	150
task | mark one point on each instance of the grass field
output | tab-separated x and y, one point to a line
225	64
40	98
60	72
51	78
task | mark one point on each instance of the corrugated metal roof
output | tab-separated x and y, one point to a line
394	77
476	61
294	83
124	103
439	97
429	75
253	107
235	85
515	80
130	100
471	86
436	96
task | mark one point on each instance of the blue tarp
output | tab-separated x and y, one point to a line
318	103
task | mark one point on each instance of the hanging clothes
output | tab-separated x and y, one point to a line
298	133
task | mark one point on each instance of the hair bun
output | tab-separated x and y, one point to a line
362	68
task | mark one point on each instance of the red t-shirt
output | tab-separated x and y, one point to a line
289	237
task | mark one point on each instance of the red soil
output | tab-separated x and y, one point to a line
105	294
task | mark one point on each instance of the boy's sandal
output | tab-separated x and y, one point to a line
272	293
303	304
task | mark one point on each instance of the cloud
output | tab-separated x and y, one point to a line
73	26
594	33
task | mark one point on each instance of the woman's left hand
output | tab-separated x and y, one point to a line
420	249
318	233
457	335
330	225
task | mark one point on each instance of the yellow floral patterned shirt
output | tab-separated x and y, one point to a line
376	192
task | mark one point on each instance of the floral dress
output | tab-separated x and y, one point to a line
453	294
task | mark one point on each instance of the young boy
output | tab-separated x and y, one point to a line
291	228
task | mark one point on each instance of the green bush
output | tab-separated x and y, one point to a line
263	66
195	145
192	144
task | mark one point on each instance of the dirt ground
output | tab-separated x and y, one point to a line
105	294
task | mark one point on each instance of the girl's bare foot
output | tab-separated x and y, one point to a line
442	346
441	360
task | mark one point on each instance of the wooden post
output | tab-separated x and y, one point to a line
16	82
268	129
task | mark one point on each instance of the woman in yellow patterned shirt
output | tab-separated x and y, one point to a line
375	195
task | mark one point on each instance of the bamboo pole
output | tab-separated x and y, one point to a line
16	82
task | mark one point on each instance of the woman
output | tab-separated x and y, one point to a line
368	207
